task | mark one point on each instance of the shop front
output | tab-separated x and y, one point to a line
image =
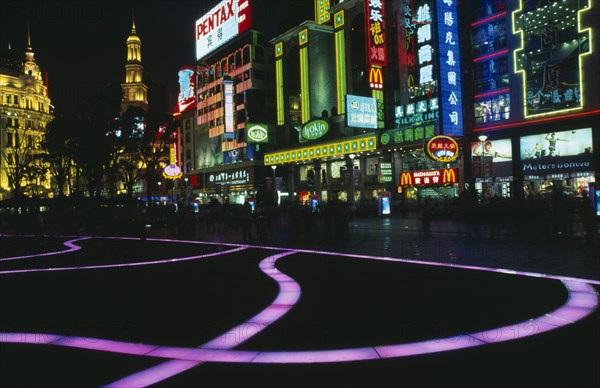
232	183
557	161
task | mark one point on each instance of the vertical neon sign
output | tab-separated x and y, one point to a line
449	59
229	122
375	31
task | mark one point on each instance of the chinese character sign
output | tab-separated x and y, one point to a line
375	32
450	99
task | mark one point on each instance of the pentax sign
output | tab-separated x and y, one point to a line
222	23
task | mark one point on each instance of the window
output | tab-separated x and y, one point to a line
496	108
8	99
188	138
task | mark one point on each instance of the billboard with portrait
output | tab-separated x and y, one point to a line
496	155
555	152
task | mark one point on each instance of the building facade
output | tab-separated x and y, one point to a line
25	111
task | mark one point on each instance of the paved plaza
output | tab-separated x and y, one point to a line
383	303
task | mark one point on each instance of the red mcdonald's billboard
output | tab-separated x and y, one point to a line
429	177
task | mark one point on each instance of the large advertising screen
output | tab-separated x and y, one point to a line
555	152
222	23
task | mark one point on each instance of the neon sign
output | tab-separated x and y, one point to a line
449	60
229	121
551	82
361	111
442	149
429	177
375	31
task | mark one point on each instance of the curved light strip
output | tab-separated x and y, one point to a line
72	248
582	301
289	294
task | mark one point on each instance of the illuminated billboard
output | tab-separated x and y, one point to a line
361	111
222	23
449	59
495	155
375	32
185	98
419	48
557	152
429	177
229	109
550	60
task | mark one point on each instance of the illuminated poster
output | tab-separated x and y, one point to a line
228	106
222	23
375	31
429	177
449	60
553	44
495	155
554	152
185	99
361	111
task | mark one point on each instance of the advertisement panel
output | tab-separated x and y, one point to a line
362	111
557	152
221	24
496	155
186	99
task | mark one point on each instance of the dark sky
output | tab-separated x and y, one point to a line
81	44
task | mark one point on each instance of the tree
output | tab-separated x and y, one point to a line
60	140
147	136
19	156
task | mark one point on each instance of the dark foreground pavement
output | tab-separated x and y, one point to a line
345	303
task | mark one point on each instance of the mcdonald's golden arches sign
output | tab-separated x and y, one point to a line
429	177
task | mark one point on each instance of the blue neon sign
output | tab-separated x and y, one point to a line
449	58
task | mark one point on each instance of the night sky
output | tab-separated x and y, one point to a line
81	44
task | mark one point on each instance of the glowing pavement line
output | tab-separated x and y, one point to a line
289	294
120	265
582	301
72	248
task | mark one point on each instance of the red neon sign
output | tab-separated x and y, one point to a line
375	32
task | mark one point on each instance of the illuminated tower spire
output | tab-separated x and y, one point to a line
30	66
135	92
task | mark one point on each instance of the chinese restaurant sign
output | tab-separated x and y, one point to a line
442	149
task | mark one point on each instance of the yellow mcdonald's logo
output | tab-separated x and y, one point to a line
406	179
449	176
375	76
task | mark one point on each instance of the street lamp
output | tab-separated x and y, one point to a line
274	167
482	139
159	183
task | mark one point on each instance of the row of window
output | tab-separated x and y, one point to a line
12	122
11	99
14	140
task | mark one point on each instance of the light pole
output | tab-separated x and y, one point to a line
482	139
274	167
159	183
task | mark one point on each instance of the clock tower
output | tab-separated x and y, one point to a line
135	92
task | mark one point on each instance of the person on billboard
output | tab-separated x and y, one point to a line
487	151
552	140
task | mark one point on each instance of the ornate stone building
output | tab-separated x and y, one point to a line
25	111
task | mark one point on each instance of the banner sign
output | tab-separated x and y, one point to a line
375	32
